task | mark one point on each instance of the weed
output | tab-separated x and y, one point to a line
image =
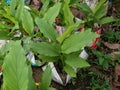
112	36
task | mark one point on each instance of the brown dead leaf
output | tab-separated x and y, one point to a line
115	88
117	73
116	82
37	4
117	69
113	54
112	46
77	13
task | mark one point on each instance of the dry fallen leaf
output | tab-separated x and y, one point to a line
77	13
37	4
114	88
117	76
112	46
117	72
113	54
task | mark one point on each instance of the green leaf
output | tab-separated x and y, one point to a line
15	69
117	22
13	4
106	64
51	89
72	2
45	48
19	11
99	5
27	22
69	70
1	61
67	14
31	84
106	20
67	1
46	80
9	17
77	41
5	26
5	48
101	60
47	29
43	1
52	13
48	58
4	35
85	8
76	62
3	52
100	12
6	15
69	30
44	7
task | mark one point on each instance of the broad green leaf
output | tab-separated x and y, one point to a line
19	11
48	58
98	6
31	84
106	20
43	1
67	14
52	13
67	1
5	49
5	26
9	17
45	48
77	41
69	70
85	8
72	2
4	35
100	12
3	52
69	30
46	28
12	19
16	26
76	62
51	88
44	7
15	69
34	13
46	79
1	61
27	22
13	4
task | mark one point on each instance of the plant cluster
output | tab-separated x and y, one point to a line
18	24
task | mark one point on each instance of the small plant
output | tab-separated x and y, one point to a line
112	36
64	48
17	26
103	59
99	83
97	14
95	79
